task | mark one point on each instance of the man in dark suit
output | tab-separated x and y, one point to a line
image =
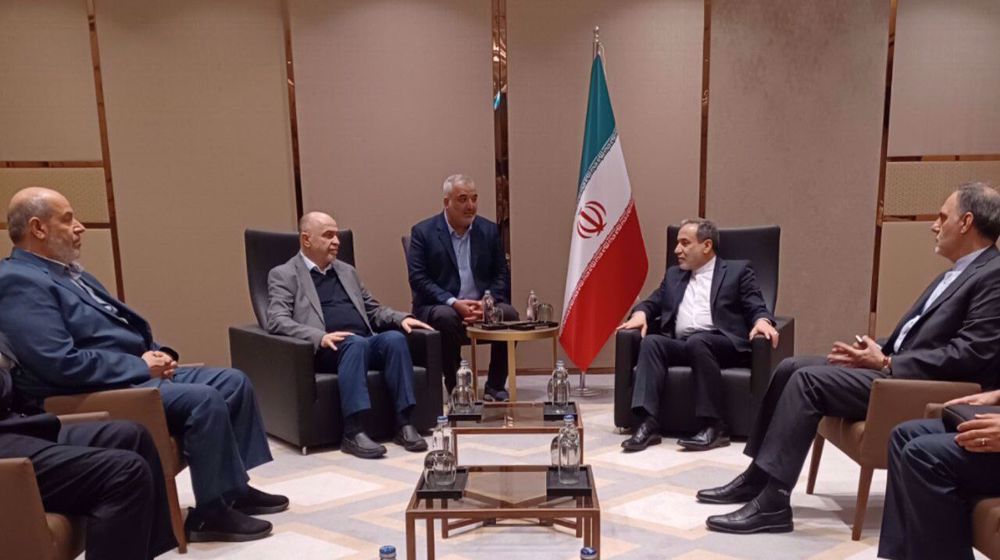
71	336
454	258
317	298
708	310
949	334
935	480
108	472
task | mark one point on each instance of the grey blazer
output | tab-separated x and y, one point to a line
293	307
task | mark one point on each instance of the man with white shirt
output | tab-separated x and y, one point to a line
317	298
708	310
950	333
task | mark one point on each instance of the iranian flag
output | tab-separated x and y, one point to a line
607	258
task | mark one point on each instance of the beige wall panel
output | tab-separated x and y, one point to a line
945	78
392	97
48	110
97	258
200	146
84	188
797	90
653	66
914	188
908	265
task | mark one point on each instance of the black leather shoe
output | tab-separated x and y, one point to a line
362	446
736	491
709	437
646	434
410	439
256	502
750	519
223	525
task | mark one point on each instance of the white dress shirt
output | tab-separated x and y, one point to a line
695	311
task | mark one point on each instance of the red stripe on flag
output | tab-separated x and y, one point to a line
606	294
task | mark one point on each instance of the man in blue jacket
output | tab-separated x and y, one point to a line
71	336
454	257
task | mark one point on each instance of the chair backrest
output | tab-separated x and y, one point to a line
268	249
759	245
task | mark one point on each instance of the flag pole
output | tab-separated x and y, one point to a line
582	390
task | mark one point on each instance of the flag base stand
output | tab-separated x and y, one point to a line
582	390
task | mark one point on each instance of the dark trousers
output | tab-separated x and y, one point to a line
705	352
449	323
108	473
355	355
215	414
932	489
801	393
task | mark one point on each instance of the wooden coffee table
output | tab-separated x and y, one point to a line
511	337
513	418
504	492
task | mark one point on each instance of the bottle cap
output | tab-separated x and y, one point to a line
568	418
442	419
387	549
588	552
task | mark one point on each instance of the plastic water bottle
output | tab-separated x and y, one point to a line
440	464
489	308
388	552
461	396
529	313
586	553
569	452
558	390
554	447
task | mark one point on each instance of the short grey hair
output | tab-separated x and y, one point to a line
983	202
706	230
19	215
457	179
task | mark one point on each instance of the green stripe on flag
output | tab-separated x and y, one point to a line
600	126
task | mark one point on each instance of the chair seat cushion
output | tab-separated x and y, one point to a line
67	535
986	527
845	434
379	422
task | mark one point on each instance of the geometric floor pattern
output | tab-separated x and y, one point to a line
346	508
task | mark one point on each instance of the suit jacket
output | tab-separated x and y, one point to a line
433	266
735	299
65	342
293	307
958	337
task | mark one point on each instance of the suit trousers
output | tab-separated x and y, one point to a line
705	352
801	393
387	351
108	473
932	489
214	412
449	323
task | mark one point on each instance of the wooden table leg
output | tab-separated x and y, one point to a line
430	532
475	372
411	537
512	370
444	522
582	524
595	537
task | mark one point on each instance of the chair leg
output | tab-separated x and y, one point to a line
176	519
861	507
817	453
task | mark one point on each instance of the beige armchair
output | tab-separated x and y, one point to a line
26	531
141	405
867	441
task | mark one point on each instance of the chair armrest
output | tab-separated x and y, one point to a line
933	410
894	401
22	518
627	343
282	370
425	350
71	419
765	358
140	404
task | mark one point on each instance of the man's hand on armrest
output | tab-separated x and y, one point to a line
988	398
410	323
764	328
636	321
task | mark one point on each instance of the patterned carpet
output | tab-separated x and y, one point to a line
345	508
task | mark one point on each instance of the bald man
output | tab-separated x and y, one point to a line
317	298
71	335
